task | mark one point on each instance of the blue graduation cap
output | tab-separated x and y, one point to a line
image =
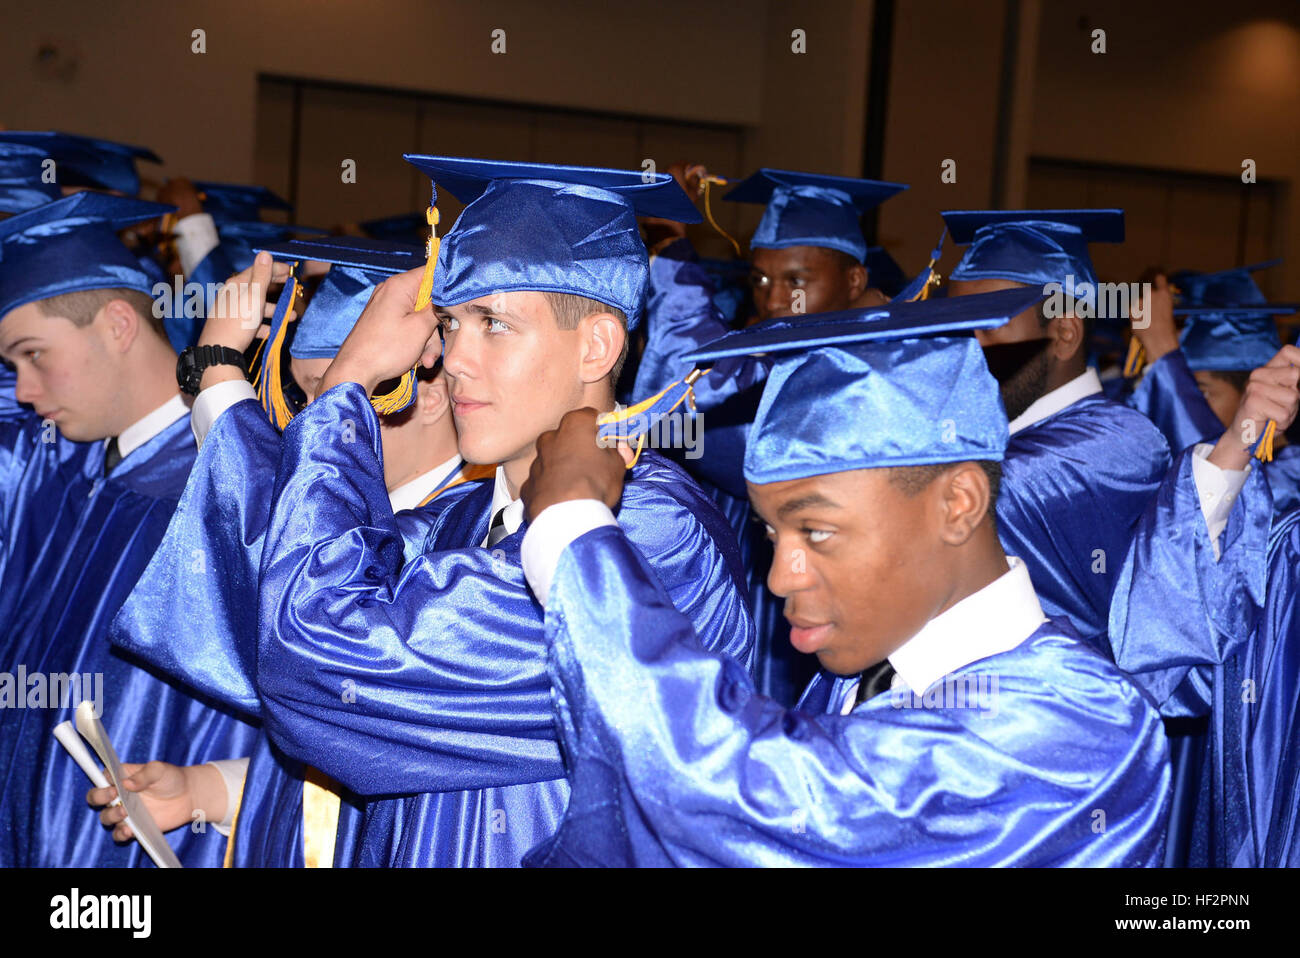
403	228
1224	340
236	201
87	161
69	245
902	385
239	238
357	266
1034	247
543	227
21	174
1229	287
812	209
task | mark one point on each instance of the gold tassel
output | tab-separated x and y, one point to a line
402	396
228	860
320	819
1265	451
705	185
276	405
1136	358
622	415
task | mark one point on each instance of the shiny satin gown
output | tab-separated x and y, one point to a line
422	684
222	516
1073	487
675	759
9	406
1168	394
1219	641
75	544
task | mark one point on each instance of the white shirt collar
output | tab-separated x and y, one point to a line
138	433
410	494
995	619
1086	384
501	499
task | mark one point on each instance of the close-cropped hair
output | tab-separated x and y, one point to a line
571	309
913	480
81	306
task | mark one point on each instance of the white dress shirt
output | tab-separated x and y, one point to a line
196	237
501	499
1086	384
410	494
210	403
142	430
551	533
1217	489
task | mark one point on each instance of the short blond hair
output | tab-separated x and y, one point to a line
571	309
83	305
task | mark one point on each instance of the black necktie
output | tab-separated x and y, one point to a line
875	680
112	456
497	532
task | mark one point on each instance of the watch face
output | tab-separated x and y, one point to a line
186	372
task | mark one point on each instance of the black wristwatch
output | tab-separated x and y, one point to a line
194	359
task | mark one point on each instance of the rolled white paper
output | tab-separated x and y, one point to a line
70	740
146	830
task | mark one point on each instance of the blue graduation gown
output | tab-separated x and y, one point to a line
1219	640
681	315
676	760
426	678
1283	475
9	405
205	572
1169	397
1073	487
77	543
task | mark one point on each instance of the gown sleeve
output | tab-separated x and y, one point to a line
193	613
362	654
1176	612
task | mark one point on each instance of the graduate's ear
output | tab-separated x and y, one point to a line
1066	333
602	337
119	323
966	501
432	400
857	277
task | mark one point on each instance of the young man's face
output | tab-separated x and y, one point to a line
512	373
857	561
1223	397
65	372
779	275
